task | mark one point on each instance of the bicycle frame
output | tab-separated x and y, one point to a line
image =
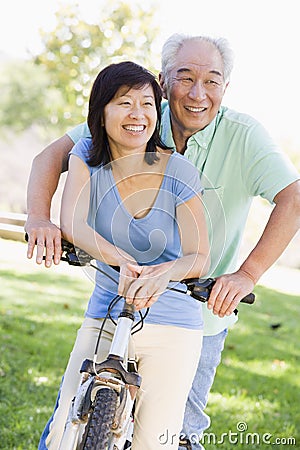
118	372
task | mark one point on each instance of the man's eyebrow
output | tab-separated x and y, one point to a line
186	70
183	69
216	72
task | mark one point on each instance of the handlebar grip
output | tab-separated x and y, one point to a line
201	289
249	299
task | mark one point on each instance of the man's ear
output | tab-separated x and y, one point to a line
226	86
162	85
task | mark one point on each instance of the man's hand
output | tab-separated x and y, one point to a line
44	235
228	292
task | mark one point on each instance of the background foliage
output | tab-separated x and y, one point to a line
53	87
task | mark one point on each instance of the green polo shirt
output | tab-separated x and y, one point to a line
237	161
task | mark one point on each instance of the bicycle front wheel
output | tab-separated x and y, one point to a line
98	429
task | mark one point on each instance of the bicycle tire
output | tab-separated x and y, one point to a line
98	429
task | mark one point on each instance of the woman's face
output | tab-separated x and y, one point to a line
130	119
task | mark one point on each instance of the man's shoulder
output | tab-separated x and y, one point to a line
232	116
80	131
164	106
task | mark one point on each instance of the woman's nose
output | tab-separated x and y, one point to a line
136	113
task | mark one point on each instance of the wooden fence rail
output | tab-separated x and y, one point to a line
12	225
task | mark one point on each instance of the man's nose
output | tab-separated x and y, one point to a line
198	91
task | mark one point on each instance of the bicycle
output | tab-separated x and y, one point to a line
101	416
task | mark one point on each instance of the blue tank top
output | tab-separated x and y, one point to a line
152	239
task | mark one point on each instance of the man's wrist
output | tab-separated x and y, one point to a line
38	216
251	274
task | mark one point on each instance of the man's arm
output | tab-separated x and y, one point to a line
283	224
45	172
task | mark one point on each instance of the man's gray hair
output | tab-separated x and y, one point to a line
173	44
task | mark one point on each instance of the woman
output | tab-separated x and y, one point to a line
131	202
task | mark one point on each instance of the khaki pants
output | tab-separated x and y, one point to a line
167	358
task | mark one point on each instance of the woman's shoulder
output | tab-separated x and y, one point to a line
181	165
82	148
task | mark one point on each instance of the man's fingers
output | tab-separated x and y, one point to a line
49	253
224	304
30	246
214	295
47	240
227	293
57	249
40	245
234	303
220	300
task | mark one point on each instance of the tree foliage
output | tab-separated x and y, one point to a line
76	50
23	99
53	87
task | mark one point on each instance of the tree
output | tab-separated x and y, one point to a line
23	99
76	51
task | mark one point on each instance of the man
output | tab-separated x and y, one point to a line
237	161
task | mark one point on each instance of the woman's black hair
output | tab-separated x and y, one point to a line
106	85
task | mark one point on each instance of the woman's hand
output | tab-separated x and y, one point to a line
144	284
128	274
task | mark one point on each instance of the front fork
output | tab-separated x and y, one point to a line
111	374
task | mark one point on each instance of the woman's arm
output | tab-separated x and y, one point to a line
153	280
74	213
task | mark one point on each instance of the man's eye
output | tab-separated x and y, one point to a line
184	80
213	83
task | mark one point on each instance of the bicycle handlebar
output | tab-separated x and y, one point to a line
198	289
201	289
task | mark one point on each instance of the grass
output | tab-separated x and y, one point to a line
257	385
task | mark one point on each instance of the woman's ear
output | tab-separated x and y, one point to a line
162	85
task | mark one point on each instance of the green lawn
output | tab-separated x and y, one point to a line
257	385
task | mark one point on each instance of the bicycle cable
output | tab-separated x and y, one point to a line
112	304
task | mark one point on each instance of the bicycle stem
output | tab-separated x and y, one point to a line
123	330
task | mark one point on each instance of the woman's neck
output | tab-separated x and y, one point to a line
129	165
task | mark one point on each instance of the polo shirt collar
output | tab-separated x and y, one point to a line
202	137
166	129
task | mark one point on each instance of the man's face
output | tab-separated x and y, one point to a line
196	87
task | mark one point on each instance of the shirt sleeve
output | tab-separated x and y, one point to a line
81	149
80	131
267	169
186	179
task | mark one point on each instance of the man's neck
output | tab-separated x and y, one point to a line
180	140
